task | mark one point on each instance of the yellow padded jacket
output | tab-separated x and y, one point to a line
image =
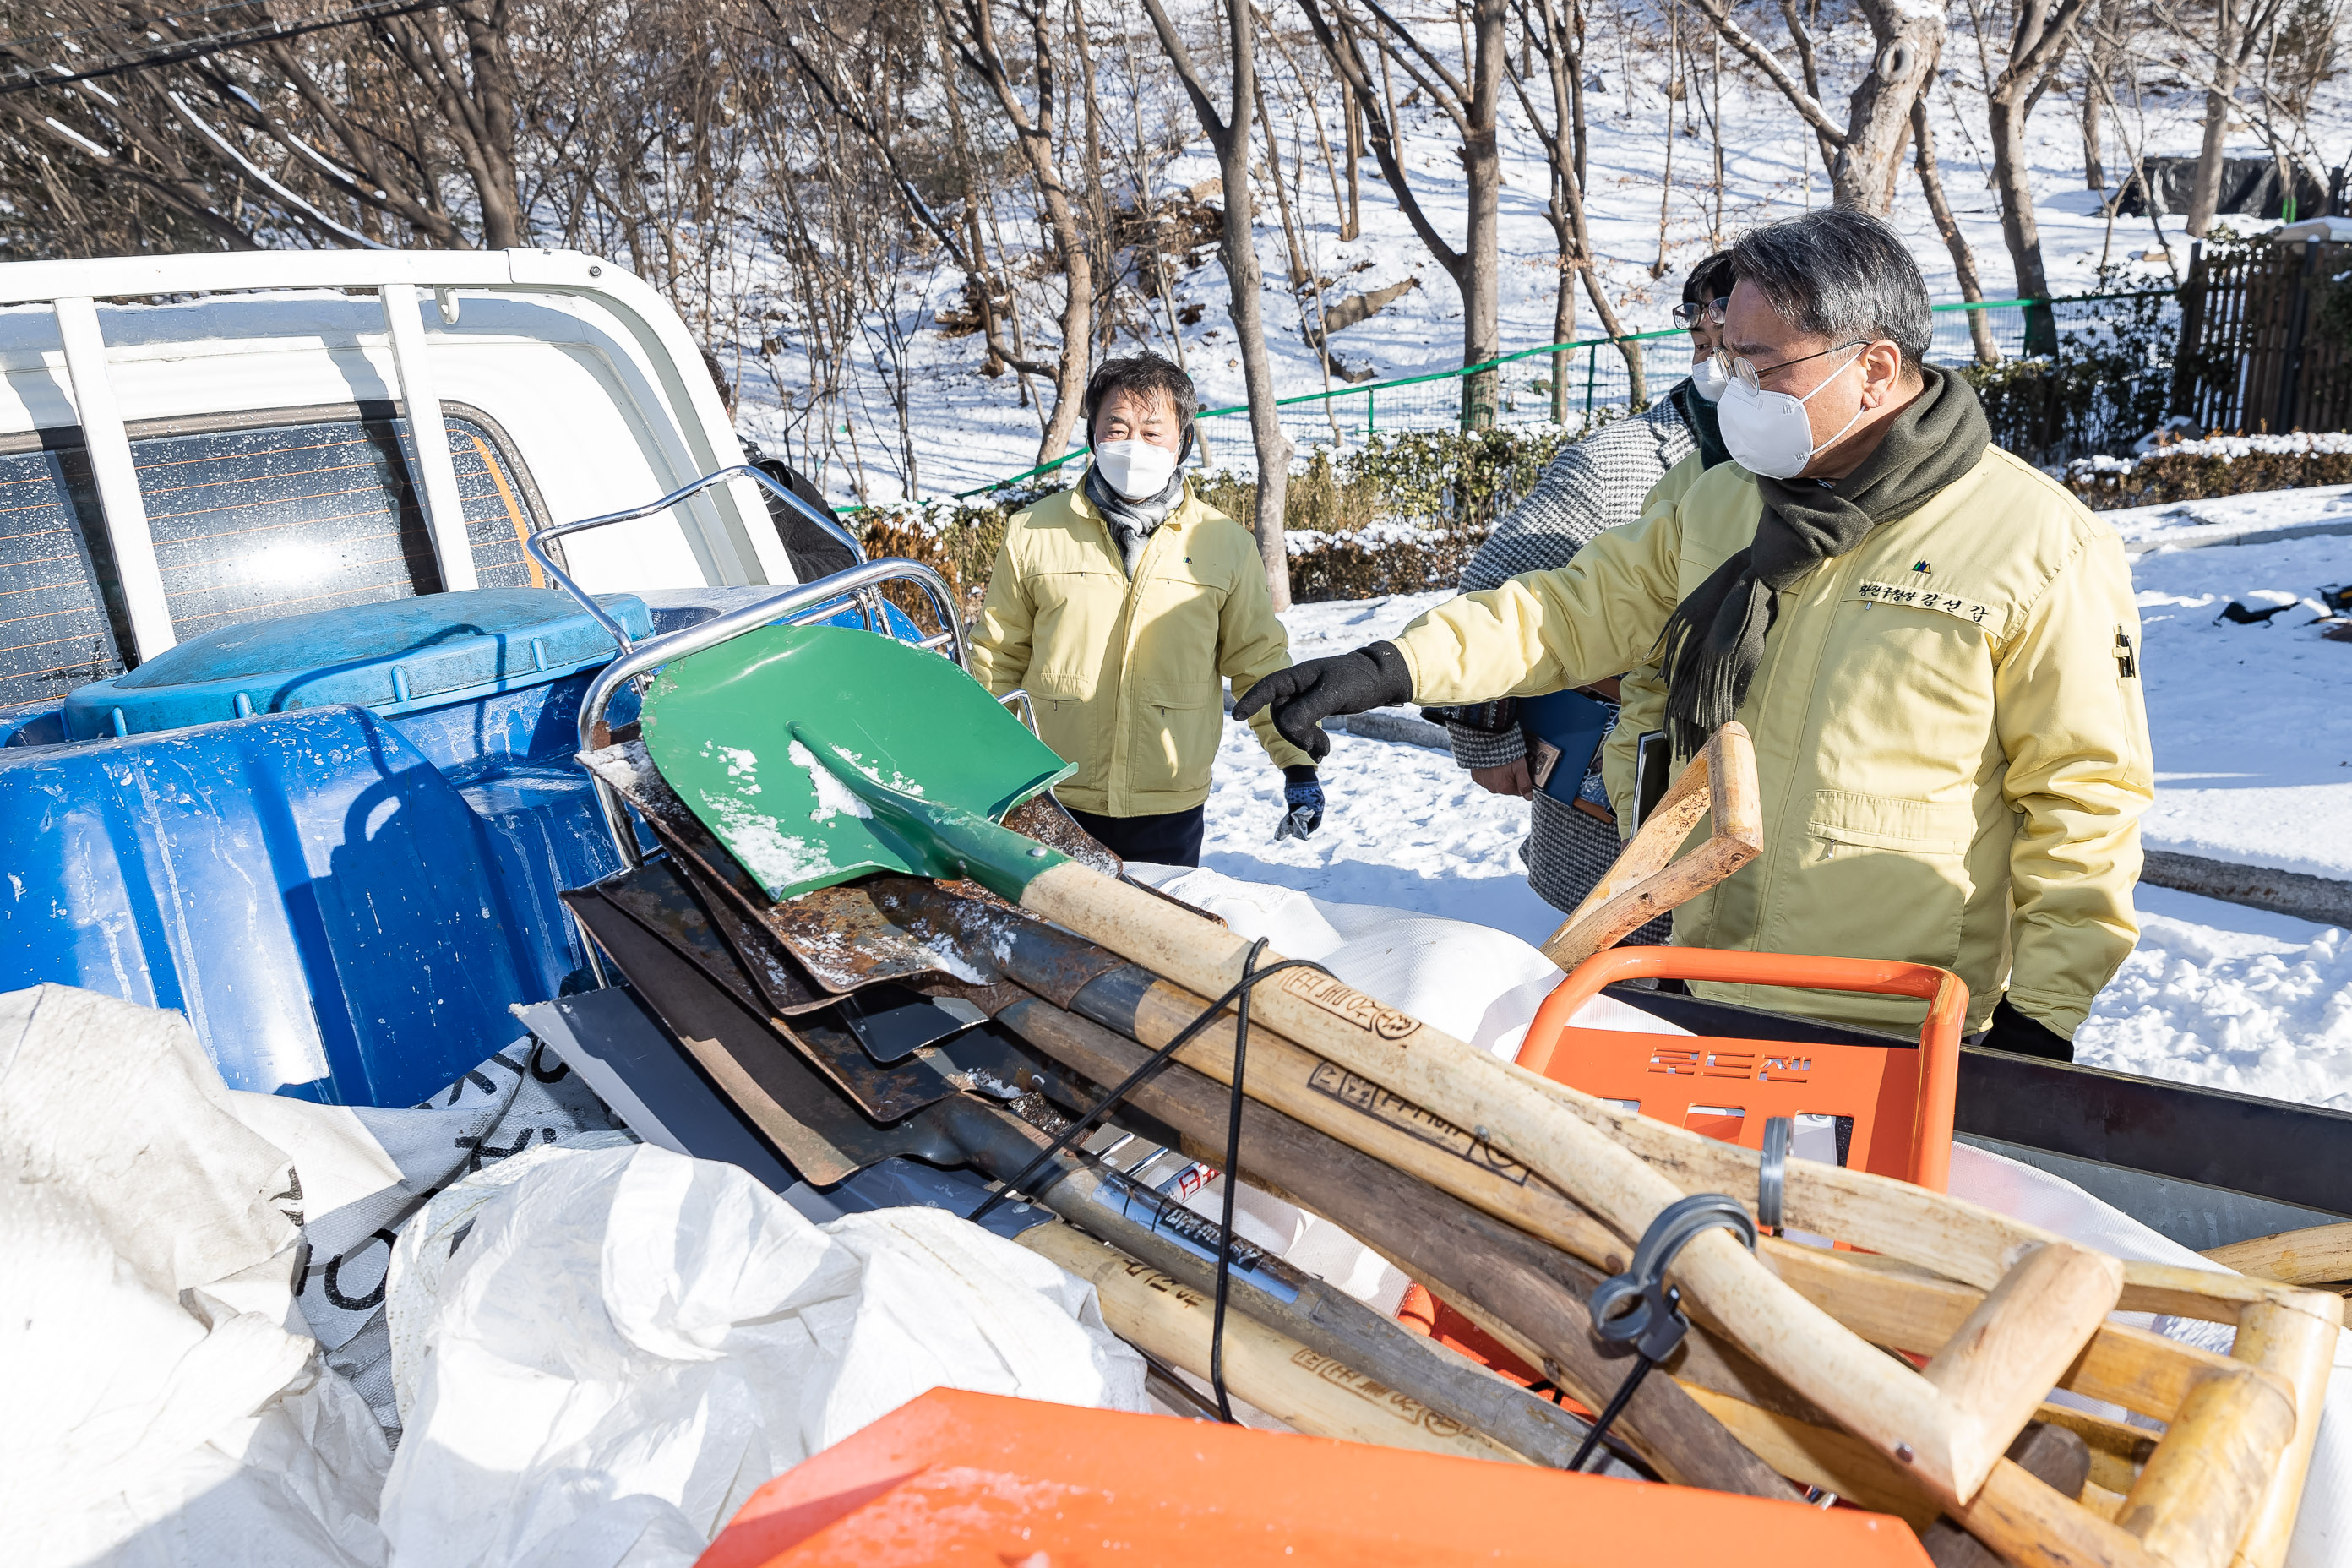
1127	674
1949	734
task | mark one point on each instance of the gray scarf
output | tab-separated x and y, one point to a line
1131	523
1714	639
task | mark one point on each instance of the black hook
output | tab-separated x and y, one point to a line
1639	1308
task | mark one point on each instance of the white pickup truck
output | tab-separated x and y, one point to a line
287	700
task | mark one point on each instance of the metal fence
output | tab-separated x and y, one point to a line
1571	384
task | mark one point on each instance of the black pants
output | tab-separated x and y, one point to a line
1171	838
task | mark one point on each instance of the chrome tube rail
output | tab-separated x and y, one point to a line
795	604
613	628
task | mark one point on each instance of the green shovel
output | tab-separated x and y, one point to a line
821	753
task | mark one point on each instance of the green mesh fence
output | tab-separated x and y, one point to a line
1570	383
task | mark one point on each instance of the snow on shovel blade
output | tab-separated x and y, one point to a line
820	754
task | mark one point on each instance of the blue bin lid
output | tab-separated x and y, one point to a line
395	656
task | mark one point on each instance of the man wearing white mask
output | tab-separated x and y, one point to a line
1121	605
1935	646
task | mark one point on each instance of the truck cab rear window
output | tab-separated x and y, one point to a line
247	523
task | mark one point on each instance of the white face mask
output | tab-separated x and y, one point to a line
1767	432
1709	381
1136	469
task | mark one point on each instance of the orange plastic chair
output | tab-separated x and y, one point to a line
1900	1100
951	1479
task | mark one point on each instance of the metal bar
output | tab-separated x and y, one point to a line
537	544
445	514
109	446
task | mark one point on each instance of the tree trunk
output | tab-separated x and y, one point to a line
2018	230
2043	31
2095	163
2098	75
1563	304
1354	225
1298	273
1249	319
1574	42
1908	41
2205	190
1964	260
1865	153
494	92
1481	285
1564	145
1229	134
1036	136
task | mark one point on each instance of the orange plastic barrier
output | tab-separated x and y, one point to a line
1900	1100
976	1479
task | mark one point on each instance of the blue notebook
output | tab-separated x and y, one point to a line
1564	730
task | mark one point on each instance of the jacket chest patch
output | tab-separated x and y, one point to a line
1919	595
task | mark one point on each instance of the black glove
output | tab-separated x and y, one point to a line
1306	694
1302	804
2013	1031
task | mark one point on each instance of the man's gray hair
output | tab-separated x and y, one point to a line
1840	275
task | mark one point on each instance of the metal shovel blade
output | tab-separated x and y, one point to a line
710	1005
833	937
738	732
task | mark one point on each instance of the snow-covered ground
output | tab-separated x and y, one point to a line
2253	736
2253	748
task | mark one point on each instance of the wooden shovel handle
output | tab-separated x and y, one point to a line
1646	881
2319	1254
1312	1392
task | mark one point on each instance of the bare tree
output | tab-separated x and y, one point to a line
2239	28
1469	99
2038	42
1228	130
351	136
2099	62
1865	153
846	70
1964	260
1556	31
971	30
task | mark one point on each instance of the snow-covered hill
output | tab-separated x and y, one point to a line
969	428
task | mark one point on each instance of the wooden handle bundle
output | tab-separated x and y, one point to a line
2015	1311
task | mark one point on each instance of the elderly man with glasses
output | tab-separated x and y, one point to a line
1935	646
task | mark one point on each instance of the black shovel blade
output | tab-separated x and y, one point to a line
685	980
893	1023
666	902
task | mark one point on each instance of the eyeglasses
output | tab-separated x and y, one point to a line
1694	314
1744	372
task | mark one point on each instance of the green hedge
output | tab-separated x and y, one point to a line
2175	470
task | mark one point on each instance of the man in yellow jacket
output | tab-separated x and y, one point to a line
1935	646
1121	605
